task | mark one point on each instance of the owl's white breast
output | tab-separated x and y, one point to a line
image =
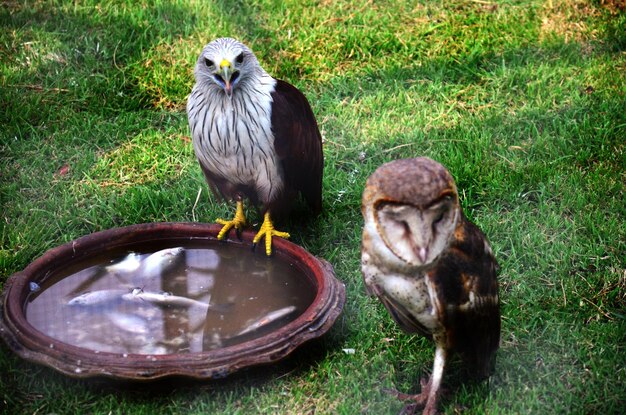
405	284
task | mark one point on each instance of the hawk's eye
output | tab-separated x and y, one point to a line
208	62
239	58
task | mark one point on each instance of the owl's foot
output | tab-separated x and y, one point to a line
267	230
238	222
418	401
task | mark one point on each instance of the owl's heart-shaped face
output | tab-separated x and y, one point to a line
414	234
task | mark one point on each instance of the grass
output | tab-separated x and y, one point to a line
524	101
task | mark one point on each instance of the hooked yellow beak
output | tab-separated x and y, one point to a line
226	71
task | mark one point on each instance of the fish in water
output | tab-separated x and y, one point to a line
267	319
92	298
163	298
157	262
130	263
128	322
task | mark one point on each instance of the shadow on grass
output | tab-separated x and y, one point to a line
89	68
456	380
32	392
85	40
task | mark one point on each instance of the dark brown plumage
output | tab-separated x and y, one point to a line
298	144
255	136
431	268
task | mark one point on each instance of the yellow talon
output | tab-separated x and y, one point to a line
237	222
267	230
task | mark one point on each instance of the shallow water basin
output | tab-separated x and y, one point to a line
153	300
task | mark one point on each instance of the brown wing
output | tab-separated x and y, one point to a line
400	314
467	289
298	144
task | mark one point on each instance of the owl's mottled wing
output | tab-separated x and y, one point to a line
399	313
467	290
298	143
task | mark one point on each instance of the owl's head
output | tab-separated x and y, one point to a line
224	64
412	207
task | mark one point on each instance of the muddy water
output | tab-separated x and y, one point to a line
173	301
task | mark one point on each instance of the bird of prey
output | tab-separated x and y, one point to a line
255	137
432	269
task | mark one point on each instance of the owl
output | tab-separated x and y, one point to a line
432	269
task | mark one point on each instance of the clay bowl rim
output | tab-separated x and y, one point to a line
32	345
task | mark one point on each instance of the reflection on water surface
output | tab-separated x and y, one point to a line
172	300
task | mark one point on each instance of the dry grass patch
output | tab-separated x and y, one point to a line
568	19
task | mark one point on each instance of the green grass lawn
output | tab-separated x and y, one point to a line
524	102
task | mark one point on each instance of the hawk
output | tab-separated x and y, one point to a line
255	137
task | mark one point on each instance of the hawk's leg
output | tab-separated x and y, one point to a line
429	395
267	230
237	222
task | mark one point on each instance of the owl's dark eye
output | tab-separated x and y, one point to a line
239	58
439	218
208	62
405	227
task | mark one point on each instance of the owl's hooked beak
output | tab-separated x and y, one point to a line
422	253
421	240
419	246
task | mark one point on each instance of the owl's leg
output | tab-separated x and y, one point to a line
237	222
267	230
429	394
